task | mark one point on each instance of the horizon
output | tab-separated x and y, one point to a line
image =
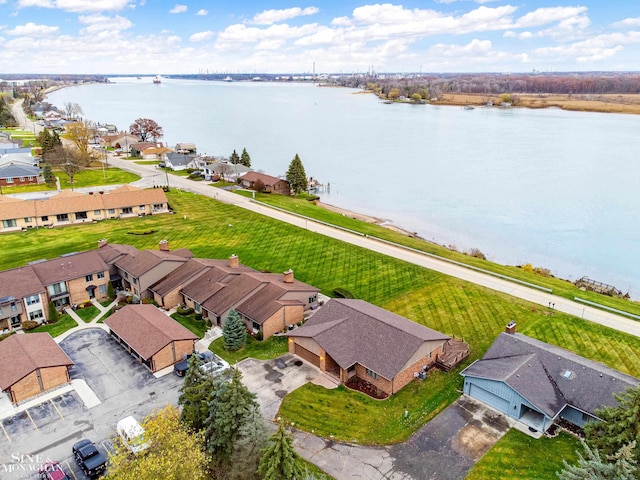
139	37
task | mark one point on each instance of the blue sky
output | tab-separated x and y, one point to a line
224	36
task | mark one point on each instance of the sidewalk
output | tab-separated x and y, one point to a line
82	325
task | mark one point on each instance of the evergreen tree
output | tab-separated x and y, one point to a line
110	291
53	313
234	158
234	332
49	177
618	425
278	461
592	466
245	159
194	394
252	438
231	405
296	176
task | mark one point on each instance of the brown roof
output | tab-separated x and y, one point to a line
140	262
182	275
354	331
69	267
231	293
110	253
146	329
208	284
268	180
20	282
22	354
265	302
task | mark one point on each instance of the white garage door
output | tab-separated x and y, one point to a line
489	398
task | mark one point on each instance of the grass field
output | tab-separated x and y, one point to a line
95	177
198	327
88	313
560	287
62	325
543	458
446	304
270	348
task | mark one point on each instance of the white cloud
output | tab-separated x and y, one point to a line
202	12
30	29
201	36
546	15
628	22
178	8
102	23
593	49
269	17
77	5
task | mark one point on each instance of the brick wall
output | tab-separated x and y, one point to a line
290	314
54	376
78	288
382	383
30	385
171	354
405	376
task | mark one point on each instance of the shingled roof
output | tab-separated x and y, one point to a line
146	329
548	376
20	282
23	354
354	331
140	262
69	267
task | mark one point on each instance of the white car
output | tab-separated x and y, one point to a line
215	367
132	434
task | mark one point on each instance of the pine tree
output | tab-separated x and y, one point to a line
245	159
53	313
618	425
278	461
49	177
296	176
194	394
231	405
110	291
591	466
234	158
252	438
234	331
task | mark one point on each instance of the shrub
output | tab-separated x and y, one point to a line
343	293
198	316
476	253
29	325
183	310
53	313
149	301
259	336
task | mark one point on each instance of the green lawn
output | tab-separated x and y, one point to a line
95	177
27	188
147	162
62	325
222	183
265	350
516	455
302	206
88	313
198	327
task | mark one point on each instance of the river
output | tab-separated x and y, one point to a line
553	188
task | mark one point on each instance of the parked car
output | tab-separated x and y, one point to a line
181	367
52	471
215	367
132	434
91	461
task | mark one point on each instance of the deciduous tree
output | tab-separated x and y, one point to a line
245	159
66	160
80	133
174	452
234	331
278	461
72	110
296	176
146	129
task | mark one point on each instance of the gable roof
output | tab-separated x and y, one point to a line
179	158
26	353
268	180
354	331
69	267
265	302
146	329
20	282
550	377
139	262
17	169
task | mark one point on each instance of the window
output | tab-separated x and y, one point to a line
81	215
126	210
9	180
8	223
36	315
126	275
96	212
63	217
135	281
196	307
27	219
57	288
142	208
22	179
372	374
45	218
102	289
158	206
112	211
33	299
30	178
14	308
88	278
313	299
100	275
0	310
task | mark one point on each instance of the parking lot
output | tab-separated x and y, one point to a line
48	430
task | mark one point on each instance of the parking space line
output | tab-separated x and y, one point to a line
34	423
57	410
5	432
70	470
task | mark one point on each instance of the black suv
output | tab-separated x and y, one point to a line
181	367
91	461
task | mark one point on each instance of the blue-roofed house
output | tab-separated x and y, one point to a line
14	174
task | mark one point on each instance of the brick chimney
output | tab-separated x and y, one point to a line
511	327
288	276
103	242
234	261
164	245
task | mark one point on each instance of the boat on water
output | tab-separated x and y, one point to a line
468	107
157	79
227	79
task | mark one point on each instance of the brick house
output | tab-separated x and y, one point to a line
23	298
347	338
271	184
153	338
37	363
17	174
67	208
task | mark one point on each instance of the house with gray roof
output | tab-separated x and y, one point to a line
179	161
537	383
16	173
353	338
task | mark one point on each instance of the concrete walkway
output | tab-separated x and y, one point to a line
82	325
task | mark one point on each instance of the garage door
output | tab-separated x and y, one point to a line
489	398
309	356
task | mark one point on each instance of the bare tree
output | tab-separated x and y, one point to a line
146	129
66	160
72	110
223	169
